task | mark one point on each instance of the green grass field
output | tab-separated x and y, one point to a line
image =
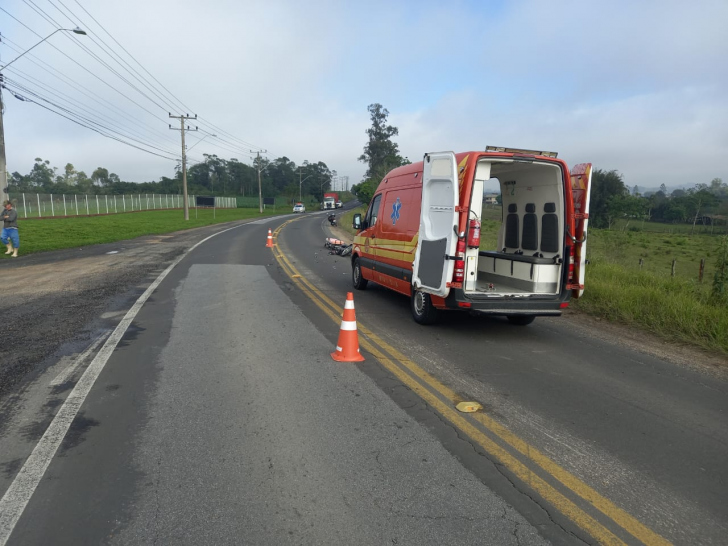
58	233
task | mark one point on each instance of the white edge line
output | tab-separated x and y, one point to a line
18	495
63	376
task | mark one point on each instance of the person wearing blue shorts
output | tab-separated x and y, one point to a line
10	236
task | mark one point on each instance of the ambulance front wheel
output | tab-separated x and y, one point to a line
360	283
521	320
422	309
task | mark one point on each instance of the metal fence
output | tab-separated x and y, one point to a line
46	205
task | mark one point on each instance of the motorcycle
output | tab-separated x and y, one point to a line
332	220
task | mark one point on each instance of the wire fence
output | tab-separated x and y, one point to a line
47	205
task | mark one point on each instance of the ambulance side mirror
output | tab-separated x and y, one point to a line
356	222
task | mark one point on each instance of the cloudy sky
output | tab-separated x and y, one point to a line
640	87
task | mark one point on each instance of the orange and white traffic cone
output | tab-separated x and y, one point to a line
347	349
269	244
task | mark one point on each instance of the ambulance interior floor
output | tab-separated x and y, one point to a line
498	288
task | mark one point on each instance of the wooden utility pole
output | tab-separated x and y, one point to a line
260	188
181	129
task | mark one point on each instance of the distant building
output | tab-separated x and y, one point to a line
490	198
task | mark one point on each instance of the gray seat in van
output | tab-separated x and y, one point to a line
529	241
549	229
511	239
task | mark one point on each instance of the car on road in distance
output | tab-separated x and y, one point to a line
339	204
299	207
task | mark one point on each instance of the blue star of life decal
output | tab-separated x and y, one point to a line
396	206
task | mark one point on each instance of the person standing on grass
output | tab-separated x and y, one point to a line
10	229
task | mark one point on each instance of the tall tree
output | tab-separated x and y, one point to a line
380	153
100	176
605	186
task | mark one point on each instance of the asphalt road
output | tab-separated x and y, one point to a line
649	435
220	418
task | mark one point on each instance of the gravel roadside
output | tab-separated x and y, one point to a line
55	303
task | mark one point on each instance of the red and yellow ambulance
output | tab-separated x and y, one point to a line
421	234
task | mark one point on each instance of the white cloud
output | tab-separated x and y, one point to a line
633	87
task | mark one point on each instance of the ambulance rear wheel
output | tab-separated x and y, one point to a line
422	309
360	283
521	320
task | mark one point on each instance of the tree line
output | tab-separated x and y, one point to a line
213	176
611	199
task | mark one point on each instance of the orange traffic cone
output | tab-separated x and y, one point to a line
269	244
347	349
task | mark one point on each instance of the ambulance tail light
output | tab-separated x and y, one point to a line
459	274
572	251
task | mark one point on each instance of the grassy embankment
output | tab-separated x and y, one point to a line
58	233
676	309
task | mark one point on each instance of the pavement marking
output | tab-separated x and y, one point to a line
68	371
26	481
372	343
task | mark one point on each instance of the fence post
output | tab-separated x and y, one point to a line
53	212
39	211
75	196
64	205
98	209
87	211
702	270
25	210
106	198
123	201
115	211
673	267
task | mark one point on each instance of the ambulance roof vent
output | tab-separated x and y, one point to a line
519	151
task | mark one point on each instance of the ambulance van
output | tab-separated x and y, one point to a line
421	234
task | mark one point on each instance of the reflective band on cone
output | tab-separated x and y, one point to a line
347	348
269	244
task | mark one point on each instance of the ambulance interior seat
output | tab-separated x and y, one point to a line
511	236
549	229
529	240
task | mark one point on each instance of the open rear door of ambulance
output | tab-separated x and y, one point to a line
581	190
434	258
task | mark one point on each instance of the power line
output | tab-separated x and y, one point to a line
93	55
16	88
84	68
228	144
78	104
86	126
86	92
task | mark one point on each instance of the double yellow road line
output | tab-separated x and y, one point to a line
598	516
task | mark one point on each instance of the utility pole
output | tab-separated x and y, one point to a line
300	173
260	190
3	163
181	129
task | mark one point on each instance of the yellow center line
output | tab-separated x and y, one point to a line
372	343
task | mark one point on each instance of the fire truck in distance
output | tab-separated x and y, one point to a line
330	200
